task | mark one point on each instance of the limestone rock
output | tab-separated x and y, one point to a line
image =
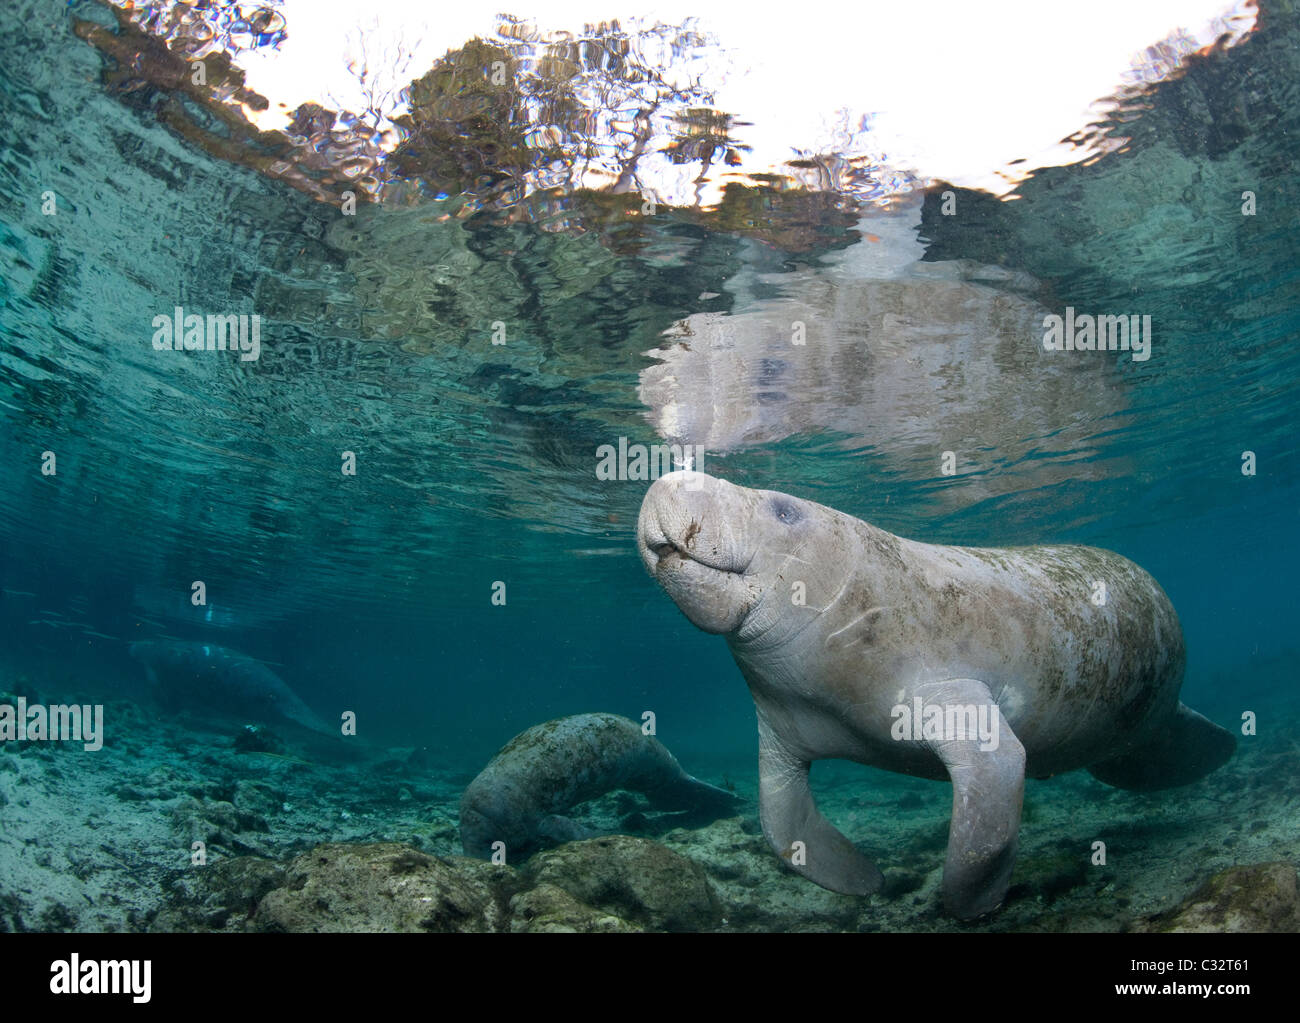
221	896
1259	897
635	879
547	909
385	887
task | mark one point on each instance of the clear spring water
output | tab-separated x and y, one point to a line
475	462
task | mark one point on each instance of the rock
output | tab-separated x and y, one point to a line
386	887
257	799
11	914
221	896
635	879
257	739
57	918
1259	897
547	909
214	822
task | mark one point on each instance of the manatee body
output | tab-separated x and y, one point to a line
520	797
860	645
222	680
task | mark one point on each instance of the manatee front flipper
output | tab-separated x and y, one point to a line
988	787
1185	750
789	816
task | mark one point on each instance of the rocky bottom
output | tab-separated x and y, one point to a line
177	826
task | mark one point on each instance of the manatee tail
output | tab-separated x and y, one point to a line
309	719
687	793
1186	749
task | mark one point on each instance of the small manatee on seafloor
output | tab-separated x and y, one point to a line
520	797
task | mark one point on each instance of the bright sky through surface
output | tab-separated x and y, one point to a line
957	92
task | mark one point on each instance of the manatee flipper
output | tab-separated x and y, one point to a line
1185	750
559	829
988	788
789	815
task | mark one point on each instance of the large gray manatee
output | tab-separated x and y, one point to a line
860	645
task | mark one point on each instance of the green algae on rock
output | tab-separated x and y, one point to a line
384	887
639	880
1256	898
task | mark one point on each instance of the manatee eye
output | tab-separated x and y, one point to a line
786	510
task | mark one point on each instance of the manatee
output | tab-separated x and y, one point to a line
218	679
519	798
893	330
982	665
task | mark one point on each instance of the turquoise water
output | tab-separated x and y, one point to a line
476	462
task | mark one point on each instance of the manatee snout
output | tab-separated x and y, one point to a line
662	523
692	538
693	516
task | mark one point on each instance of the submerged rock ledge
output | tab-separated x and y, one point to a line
610	884
613	883
1257	898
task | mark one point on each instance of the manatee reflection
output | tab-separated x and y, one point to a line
905	358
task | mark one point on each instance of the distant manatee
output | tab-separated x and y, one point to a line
519	797
221	680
